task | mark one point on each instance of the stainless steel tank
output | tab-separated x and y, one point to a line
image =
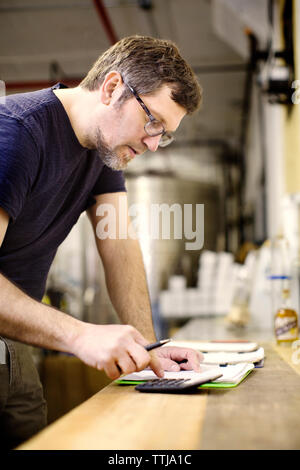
162	257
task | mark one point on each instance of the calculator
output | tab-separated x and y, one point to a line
178	385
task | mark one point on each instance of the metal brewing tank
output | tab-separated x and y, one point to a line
163	257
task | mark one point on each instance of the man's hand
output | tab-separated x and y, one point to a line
116	349
173	358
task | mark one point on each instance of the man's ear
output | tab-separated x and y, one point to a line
111	88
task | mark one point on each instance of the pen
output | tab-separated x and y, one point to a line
151	346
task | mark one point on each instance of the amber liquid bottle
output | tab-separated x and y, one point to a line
286	321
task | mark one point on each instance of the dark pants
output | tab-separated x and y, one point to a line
22	406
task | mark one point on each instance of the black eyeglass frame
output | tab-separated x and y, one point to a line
168	135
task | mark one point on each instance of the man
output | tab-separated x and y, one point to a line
61	152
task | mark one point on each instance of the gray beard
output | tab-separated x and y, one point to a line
107	155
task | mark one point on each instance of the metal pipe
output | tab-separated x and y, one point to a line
243	134
38	84
101	10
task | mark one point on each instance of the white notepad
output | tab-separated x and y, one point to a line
224	353
234	358
217	346
231	374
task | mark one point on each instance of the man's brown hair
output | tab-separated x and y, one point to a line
146	64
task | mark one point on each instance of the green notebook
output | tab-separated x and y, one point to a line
232	376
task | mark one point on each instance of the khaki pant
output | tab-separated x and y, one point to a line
22	406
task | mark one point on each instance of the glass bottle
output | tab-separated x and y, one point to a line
286	319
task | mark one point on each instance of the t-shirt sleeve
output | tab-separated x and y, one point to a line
18	165
109	181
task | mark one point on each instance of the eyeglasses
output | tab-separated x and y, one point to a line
153	127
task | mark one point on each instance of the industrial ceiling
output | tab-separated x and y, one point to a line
51	40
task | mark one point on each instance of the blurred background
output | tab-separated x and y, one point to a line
239	157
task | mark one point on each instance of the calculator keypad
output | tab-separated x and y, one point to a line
165	385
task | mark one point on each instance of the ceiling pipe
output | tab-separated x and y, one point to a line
38	84
102	13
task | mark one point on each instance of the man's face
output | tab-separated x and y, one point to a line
122	136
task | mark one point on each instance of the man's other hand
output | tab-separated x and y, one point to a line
173	358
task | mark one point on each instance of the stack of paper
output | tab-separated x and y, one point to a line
217	346
225	352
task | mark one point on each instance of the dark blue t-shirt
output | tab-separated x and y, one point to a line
47	179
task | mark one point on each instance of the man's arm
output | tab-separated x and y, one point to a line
114	348
124	269
24	319
127	286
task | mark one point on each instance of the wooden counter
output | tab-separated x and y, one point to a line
263	412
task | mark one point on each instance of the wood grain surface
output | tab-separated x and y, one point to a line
263	412
119	417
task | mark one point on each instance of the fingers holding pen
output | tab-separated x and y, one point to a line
134	359
137	359
116	349
124	362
